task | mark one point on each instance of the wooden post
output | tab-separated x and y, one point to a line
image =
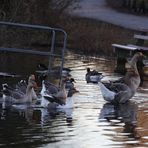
120	67
121	60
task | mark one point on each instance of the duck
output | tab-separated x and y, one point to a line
70	83
70	86
124	89
43	69
93	76
23	92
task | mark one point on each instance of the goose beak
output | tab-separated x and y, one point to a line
142	55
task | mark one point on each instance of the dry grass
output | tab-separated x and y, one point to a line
94	37
84	35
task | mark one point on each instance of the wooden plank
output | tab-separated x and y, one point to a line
138	47
142	37
28	51
143	30
124	47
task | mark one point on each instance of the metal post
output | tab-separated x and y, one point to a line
63	53
51	51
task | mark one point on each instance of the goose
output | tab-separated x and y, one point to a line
93	76
50	88
69	102
124	89
23	94
47	96
53	94
60	98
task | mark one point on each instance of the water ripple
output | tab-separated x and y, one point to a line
92	123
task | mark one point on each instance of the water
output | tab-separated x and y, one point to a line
92	123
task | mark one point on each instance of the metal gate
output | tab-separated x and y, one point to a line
51	53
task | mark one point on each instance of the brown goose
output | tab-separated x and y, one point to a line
123	90
23	93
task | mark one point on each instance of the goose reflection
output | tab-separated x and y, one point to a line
68	114
35	115
41	116
123	113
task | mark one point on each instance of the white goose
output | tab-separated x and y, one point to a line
44	102
52	94
60	97
122	91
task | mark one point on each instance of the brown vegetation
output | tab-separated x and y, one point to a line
94	37
84	35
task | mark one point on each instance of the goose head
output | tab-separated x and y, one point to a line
30	93
137	57
31	82
5	88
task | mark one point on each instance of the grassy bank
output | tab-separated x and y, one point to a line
85	36
94	37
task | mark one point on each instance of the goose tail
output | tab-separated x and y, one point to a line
69	104
44	102
106	93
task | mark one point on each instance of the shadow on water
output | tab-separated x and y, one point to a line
118	126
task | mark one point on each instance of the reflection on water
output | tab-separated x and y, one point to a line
123	113
92	123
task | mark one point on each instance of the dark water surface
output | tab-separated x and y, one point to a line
92	123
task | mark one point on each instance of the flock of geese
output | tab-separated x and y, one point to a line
51	96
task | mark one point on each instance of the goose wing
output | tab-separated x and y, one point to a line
115	92
116	87
13	92
51	88
54	99
123	92
21	86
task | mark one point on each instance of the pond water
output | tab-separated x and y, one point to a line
92	123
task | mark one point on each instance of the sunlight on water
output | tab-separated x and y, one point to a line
92	123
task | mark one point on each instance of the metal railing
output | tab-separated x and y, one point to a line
30	51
